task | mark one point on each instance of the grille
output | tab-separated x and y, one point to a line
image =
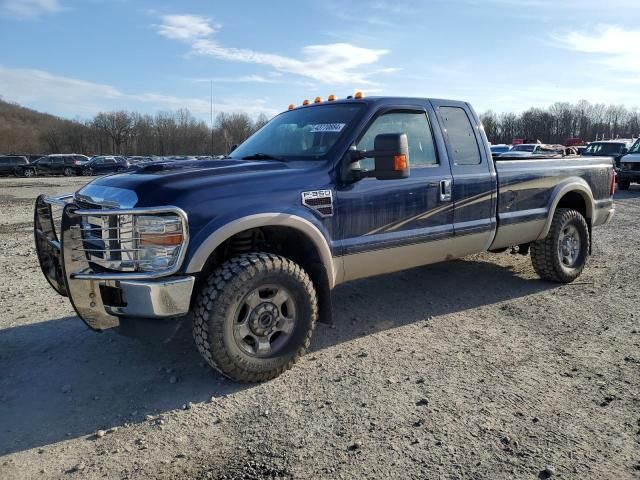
109	241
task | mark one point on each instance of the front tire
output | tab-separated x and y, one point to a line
28	172
561	256
254	316
68	172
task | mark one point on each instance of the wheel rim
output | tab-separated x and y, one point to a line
28	173
569	246
265	320
67	172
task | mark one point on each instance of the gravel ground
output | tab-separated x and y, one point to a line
467	369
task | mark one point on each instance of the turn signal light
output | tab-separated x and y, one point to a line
305	102
318	100
161	239
359	95
291	106
400	162
331	98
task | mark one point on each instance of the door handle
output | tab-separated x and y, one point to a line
445	190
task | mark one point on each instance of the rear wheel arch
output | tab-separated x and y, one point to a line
577	196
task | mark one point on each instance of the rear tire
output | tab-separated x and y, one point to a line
68	172
624	184
254	316
561	256
27	172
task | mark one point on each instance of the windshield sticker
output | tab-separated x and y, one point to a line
327	127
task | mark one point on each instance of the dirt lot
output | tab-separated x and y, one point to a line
469	369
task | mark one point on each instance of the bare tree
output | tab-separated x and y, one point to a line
117	125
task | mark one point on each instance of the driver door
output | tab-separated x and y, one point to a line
389	225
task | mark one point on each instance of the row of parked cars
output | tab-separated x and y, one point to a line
61	164
75	164
624	153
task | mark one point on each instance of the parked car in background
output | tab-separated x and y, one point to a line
103	164
532	150
580	149
499	149
613	149
136	159
17	165
61	164
630	167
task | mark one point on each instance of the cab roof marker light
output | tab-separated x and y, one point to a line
318	100
305	102
331	98
358	95
291	106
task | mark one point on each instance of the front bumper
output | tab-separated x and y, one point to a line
100	299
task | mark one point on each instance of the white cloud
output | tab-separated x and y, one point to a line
185	27
614	46
29	8
336	63
73	97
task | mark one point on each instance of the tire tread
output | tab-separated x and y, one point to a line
214	299
544	255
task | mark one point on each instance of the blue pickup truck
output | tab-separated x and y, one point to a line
248	248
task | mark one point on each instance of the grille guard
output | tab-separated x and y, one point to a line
66	267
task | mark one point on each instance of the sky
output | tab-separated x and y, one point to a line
75	58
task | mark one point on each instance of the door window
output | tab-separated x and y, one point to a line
422	151
463	147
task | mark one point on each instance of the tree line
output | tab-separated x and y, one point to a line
126	133
563	120
23	130
165	133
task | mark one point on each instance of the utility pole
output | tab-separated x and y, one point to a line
211	120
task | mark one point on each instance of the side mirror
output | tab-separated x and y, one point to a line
624	151
233	147
391	154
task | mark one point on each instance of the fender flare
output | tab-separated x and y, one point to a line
272	219
577	185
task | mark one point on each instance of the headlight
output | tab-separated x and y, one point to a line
159	239
135	242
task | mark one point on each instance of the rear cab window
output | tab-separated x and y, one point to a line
461	138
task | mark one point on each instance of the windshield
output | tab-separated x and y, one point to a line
300	134
636	147
523	148
604	149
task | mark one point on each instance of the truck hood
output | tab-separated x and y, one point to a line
183	183
631	158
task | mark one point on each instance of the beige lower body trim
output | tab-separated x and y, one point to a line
377	262
517	233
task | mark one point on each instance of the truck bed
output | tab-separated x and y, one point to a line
529	188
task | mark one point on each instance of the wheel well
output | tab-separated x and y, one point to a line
285	241
575	201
